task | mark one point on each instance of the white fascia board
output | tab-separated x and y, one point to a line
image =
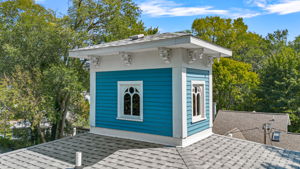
129	48
223	51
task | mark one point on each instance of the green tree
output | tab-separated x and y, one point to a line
295	44
34	39
22	94
233	34
278	38
280	87
34	45
64	91
234	85
5	117
106	20
295	122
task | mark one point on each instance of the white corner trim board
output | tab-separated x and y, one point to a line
183	102
92	97
196	137
176	97
211	115
171	141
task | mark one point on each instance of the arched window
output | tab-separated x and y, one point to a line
130	100
198	100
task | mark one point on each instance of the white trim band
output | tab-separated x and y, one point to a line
171	141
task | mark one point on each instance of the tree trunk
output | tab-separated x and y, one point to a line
64	115
41	133
63	123
5	124
57	130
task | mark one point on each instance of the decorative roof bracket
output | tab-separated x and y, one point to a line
126	57
165	54
194	54
210	60
95	61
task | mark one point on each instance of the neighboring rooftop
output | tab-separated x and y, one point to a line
99	151
250	126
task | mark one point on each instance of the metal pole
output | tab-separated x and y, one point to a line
265	133
74	131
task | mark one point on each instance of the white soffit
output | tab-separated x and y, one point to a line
189	42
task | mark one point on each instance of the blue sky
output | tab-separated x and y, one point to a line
262	16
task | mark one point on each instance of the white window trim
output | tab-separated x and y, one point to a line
198	118
121	115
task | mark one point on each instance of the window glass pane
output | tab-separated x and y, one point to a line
127	104
194	104
136	105
131	90
199	101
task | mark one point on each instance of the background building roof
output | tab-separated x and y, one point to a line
249	124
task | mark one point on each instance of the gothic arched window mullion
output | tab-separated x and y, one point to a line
130	105
198	100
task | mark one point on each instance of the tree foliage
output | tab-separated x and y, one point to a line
234	85
280	87
247	46
106	20
275	85
22	93
295	44
39	80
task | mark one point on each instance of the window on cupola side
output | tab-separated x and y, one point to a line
130	100
198	100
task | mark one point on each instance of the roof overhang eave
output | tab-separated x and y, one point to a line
179	42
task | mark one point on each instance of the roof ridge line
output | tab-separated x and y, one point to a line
253	112
182	158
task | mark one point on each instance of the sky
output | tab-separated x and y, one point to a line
261	16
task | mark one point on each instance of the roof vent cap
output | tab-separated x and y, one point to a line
276	136
135	37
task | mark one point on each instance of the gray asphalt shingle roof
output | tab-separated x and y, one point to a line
99	151
129	41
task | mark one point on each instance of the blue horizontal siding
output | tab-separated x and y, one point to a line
200	75
157	92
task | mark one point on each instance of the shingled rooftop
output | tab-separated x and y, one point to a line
99	151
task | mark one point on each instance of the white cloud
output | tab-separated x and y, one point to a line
157	8
284	7
39	1
250	14
169	8
258	3
280	7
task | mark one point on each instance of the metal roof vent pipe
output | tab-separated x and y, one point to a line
135	37
78	162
